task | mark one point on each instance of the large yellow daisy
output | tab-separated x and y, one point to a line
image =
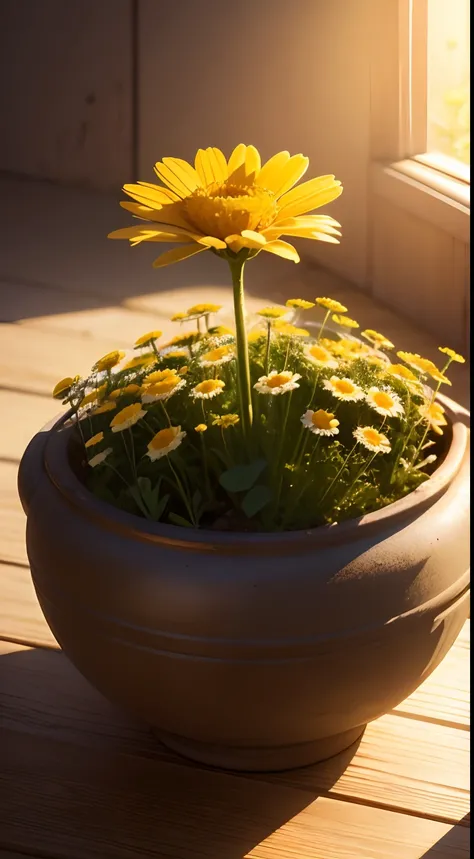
231	204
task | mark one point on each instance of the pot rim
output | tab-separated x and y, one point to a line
58	468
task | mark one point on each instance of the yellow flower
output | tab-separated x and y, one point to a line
437	375
401	372
272	313
200	428
110	360
320	356
164	442
434	414
452	354
159	376
179	317
320	422
96	439
277	383
287	330
186	339
63	387
208	389
174	353
300	303
384	402
256	334
107	406
183	370
100	457
127	417
372	439
147	339
344	389
163	390
375	361
379	341
220	331
330	304
217	356
203	309
140	361
121	392
345	321
231	204
94	395
226	421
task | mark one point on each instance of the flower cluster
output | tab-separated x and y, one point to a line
268	427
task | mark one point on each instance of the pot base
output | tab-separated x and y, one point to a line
261	759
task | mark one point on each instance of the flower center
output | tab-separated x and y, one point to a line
344	387
279	379
216	354
383	400
373	437
223	210
163	438
209	385
163	387
320	353
323	420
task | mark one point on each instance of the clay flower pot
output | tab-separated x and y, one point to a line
251	651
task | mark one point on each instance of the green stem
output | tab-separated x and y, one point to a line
266	368
243	366
357	477
338	473
183	494
324	323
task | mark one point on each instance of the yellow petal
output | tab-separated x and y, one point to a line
211	242
315	221
291	173
218	164
252	163
140	234
184	172
237	158
177	254
301	232
150	195
169	178
247	239
307	188
312	201
270	174
282	249
204	167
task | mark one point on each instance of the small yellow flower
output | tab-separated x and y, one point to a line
452	354
345	321
221	331
186	339
100	457
208	389
434	414
163	390
437	375
379	341
179	317
384	402
221	355
226	421
183	370
372	439
159	376
401	372
300	303
121	392
330	304
96	439
375	361
107	406
127	417
285	329
147	339
94	395
164	442
271	313
200	428
203	309
108	361
416	361
344	389
63	387
174	353
140	361
320	422
277	383
321	356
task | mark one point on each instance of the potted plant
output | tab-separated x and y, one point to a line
255	539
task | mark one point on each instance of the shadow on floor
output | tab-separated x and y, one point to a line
81	779
452	845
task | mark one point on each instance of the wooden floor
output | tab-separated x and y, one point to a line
81	780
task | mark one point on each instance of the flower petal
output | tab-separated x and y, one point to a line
218	163
165	216
282	249
247	239
252	163
275	233
312	201
291	173
184	172
169	178
270	174
141	234
315	221
150	195
236	159
177	254
211	242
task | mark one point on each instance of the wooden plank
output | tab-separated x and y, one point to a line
12	520
103	805
400	764
21	618
27	414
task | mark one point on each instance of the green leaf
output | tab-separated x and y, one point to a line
160	507
179	520
255	500
197	501
242	477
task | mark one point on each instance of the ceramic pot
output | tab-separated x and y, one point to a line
251	651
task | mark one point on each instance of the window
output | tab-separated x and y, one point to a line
448	88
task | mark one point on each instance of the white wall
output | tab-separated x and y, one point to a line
276	74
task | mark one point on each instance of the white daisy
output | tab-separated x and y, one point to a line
320	422
208	389
277	383
320	356
344	389
163	390
385	402
164	442
372	439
